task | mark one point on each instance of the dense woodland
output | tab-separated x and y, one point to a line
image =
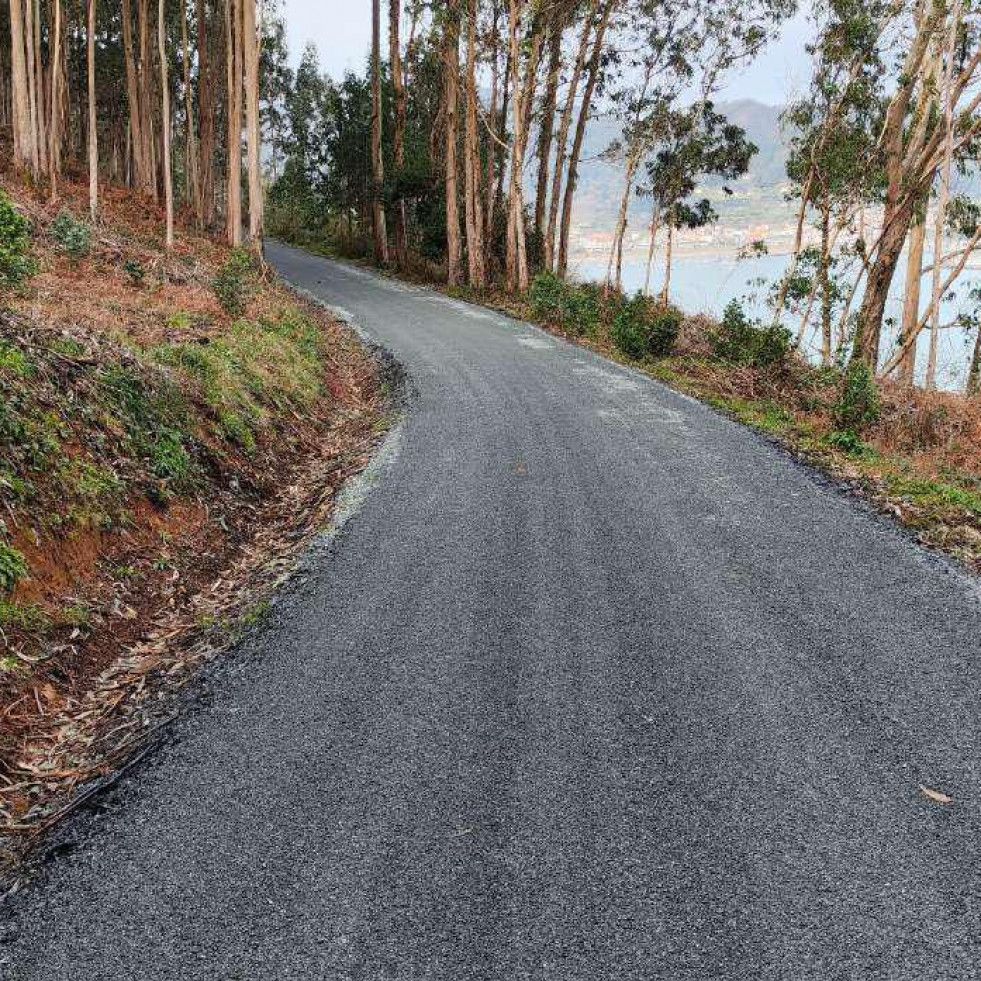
457	148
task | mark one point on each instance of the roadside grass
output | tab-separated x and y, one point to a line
171	389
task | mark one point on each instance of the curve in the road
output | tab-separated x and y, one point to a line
596	685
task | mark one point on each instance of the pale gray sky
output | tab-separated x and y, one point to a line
341	29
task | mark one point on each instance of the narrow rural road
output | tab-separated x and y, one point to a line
596	686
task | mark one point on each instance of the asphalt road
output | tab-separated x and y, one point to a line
595	685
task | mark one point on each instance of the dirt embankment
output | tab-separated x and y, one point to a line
172	430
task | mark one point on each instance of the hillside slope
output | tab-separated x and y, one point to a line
168	424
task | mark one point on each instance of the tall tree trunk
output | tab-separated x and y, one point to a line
785	281
905	176
473	202
193	190
34	114
547	125
974	371
824	263
250	53
54	127
493	126
25	135
379	231
500	144
233	33
148	151
139	124
562	262
655	226
93	115
165	123
668	255
206	118
40	110
615	264
451	72
911	297
880	278
944	195
400	224
523	86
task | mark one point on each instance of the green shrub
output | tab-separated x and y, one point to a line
629	330
744	341
848	441
181	320
576	308
233	285
858	404
73	237
665	325
582	309
545	295
135	273
155	419
14	361
641	328
15	243
13	567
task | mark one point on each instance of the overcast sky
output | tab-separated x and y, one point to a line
341	29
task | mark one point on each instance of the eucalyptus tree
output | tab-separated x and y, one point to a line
912	146
677	51
693	144
833	130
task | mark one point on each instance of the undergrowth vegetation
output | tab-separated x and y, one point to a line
80	434
169	397
15	243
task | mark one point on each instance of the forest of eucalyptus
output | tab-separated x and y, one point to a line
458	149
109	85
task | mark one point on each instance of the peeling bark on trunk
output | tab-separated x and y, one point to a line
451	74
614	269
93	116
379	231
911	297
666	290
54	126
563	135
25	134
400	224
825	282
250	58
206	119
165	124
523	85
655	226
473	204
193	189
492	123
233	214
944	195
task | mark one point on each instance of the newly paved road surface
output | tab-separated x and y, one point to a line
596	686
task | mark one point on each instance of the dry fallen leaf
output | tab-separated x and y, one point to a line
936	796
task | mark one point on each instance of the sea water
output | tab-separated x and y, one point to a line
705	284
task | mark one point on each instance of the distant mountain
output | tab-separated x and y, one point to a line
762	125
600	180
